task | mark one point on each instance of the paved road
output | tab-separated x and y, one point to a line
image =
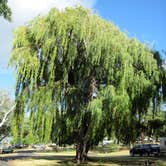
22	154
3	163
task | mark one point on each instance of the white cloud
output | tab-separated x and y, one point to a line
24	10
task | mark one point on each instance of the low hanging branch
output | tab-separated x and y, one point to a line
6	107
4	119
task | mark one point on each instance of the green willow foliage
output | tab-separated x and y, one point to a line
5	11
81	77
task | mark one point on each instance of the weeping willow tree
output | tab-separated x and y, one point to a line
79	77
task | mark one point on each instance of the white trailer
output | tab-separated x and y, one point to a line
163	145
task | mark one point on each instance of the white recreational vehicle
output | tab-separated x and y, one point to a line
163	144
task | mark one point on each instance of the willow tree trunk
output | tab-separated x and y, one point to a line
86	127
83	144
82	149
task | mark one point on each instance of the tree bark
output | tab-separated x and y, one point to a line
83	145
81	152
86	127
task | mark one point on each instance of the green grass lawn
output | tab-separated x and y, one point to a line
120	158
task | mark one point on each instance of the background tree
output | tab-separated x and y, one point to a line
7	107
81	77
156	126
6	103
5	10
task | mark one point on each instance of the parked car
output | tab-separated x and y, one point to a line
106	142
39	146
7	149
18	146
147	149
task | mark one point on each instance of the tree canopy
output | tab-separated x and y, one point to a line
80	78
5	10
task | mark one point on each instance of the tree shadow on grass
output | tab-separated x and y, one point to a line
129	161
119	160
68	160
60	159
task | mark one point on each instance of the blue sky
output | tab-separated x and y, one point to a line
143	19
